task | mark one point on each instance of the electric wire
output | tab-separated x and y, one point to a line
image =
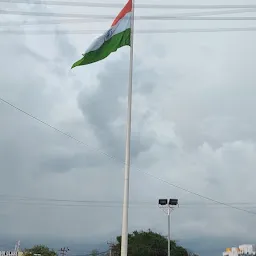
48	22
108	17
138	31
112	157
216	207
146	6
104	203
89	20
29	198
57	130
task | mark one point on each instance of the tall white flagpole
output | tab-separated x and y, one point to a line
124	240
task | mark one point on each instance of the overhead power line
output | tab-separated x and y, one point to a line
116	5
57	130
90	20
196	30
49	22
139	31
112	157
105	203
137	206
110	17
134	206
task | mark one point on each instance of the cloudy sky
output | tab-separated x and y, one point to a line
193	126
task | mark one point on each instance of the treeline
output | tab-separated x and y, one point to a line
149	243
140	243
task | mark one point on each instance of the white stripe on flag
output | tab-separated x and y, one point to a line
121	26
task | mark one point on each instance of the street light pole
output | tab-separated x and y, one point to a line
168	206
169	230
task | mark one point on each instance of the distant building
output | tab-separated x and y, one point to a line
15	252
242	250
11	253
8	253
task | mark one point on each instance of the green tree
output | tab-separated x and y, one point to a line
39	249
148	243
190	253
94	253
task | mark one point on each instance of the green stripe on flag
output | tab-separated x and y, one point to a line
112	45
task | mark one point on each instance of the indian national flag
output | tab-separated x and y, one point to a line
117	36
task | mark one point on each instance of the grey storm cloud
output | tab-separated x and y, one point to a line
105	108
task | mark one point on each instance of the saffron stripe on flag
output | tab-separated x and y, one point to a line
124	11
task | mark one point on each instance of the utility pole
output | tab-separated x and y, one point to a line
64	251
111	245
